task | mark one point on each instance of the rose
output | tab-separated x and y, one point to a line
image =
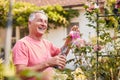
97	48
74	35
79	42
92	6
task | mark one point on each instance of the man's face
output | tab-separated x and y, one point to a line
39	24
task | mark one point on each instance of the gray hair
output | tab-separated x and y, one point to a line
32	15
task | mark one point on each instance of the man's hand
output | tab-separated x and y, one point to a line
68	40
75	28
59	60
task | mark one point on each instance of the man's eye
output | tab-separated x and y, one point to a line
40	20
45	21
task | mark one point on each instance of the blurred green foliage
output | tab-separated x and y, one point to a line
57	14
104	63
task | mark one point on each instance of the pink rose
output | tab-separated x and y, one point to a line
74	35
97	48
79	42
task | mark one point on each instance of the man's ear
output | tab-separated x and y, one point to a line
29	23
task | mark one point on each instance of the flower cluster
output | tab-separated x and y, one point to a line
81	46
58	75
78	44
91	6
78	74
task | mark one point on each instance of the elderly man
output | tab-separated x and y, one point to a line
35	53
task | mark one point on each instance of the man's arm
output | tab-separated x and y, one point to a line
66	47
68	41
57	60
22	67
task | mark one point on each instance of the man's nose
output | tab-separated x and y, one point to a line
44	24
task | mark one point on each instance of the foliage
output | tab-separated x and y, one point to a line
8	73
78	74
102	63
3	12
21	12
60	75
57	14
99	61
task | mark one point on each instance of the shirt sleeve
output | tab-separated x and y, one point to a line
20	53
54	50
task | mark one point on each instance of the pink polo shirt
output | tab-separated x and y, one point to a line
31	52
